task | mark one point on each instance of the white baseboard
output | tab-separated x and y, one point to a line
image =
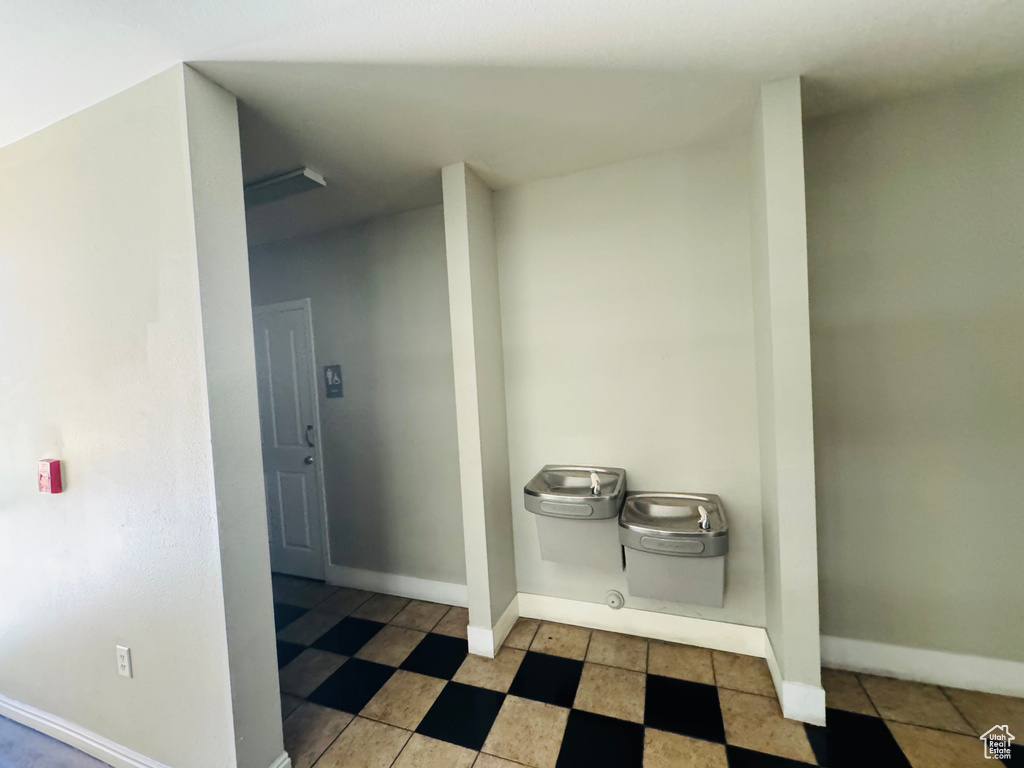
799	701
956	670
485	641
396	584
803	702
284	761
481	641
506	621
78	737
736	638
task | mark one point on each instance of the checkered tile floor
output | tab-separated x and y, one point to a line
375	680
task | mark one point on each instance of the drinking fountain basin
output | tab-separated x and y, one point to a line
675	547
577	507
567	492
679	524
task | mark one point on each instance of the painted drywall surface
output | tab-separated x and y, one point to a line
57	63
102	366
765	384
380	309
474	305
467	394
917	274
219	212
782	328
628	338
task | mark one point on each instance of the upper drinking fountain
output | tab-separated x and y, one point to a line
594	493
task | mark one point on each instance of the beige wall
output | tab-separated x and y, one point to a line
916	227
102	364
629	341
380	309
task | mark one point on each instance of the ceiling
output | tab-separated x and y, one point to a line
59	56
390	90
381	134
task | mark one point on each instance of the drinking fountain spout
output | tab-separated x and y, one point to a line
595	484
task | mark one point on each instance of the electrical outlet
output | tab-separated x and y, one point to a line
124	661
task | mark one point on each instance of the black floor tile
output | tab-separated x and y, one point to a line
748	758
348	636
1016	756
352	686
550	679
679	706
437	656
286	652
818	738
463	715
850	740
596	741
285	614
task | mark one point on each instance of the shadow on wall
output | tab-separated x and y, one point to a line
915	266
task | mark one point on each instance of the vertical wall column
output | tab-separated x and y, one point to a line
782	339
480	407
215	165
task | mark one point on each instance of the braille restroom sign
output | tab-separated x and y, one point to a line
332	380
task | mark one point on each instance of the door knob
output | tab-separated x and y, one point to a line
308	460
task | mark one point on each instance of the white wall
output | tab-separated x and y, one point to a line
474	306
629	341
380	309
916	236
215	163
782	333
102	365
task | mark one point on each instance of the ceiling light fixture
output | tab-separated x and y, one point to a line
283	185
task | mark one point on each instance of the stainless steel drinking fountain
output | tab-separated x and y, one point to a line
676	545
577	508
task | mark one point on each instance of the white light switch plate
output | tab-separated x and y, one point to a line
124	661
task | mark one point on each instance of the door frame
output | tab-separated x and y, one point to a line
306	305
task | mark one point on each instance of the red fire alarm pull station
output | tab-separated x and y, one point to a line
49	476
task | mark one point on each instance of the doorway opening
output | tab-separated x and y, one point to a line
356	394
